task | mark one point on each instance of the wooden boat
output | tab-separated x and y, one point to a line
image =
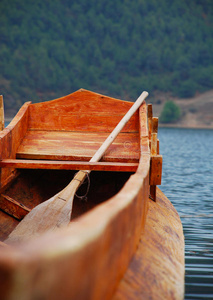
125	241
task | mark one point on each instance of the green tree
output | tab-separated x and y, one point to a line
49	48
170	113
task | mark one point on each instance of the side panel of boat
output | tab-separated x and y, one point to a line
157	269
81	111
10	139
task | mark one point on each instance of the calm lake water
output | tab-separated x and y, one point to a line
188	183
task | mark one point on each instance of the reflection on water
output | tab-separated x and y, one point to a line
188	183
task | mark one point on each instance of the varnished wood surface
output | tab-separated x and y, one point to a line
68	165
68	145
10	139
87	259
81	111
1	113
72	260
157	269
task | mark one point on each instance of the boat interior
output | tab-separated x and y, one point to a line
32	187
47	142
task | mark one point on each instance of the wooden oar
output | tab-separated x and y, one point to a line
56	211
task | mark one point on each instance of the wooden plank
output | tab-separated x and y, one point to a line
68	165
10	139
154	125
156	161
154	144
150	114
143	128
157	268
12	207
81	111
158	146
156	170
1	113
66	145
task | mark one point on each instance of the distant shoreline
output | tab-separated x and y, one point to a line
196	111
184	126
8	120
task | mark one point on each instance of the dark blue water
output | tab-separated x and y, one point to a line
188	183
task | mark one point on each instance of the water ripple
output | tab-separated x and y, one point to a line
188	183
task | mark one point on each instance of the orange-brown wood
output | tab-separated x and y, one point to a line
100	242
57	210
68	165
70	145
1	113
154	125
81	111
10	139
12	207
72	260
150	115
156	170
156	159
157	268
153	144
158	147
143	130
88	252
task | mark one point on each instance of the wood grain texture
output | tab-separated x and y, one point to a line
1	113
68	165
81	111
10	139
13	207
100	242
56	145
88	258
157	269
57	210
156	170
72	260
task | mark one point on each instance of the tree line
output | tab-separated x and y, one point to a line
49	48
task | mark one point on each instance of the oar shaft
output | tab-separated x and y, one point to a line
99	153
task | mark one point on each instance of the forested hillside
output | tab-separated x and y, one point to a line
49	48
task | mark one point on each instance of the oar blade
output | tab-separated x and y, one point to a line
47	216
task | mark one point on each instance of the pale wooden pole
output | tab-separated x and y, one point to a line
118	128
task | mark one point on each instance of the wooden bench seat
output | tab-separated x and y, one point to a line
68	165
77	146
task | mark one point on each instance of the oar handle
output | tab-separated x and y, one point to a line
100	152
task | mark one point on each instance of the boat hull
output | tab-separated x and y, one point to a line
87	259
157	268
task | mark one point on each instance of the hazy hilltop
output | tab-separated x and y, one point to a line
196	112
49	48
